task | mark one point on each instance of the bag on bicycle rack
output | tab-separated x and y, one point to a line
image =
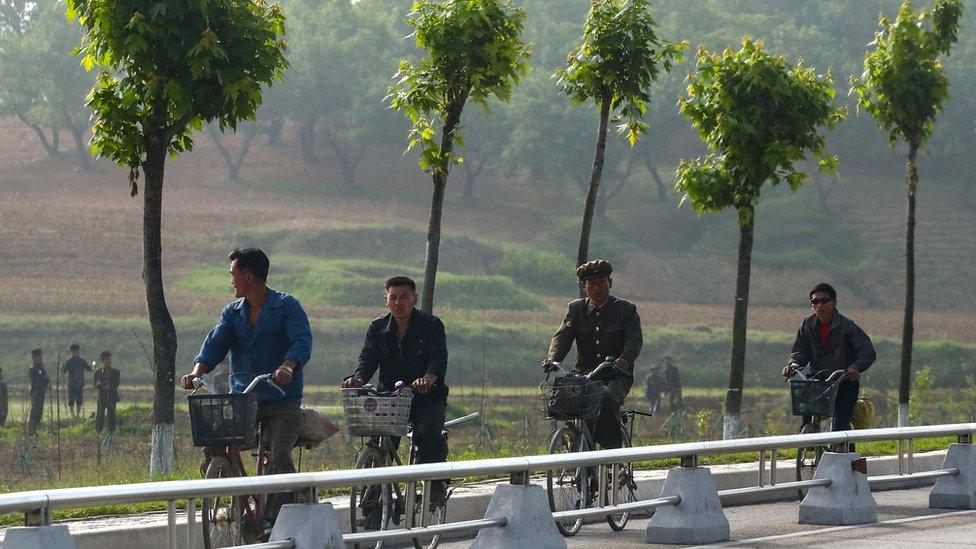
316	428
571	397
223	420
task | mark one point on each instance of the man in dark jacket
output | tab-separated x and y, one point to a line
601	325
828	340
408	345
106	381
76	367
39	385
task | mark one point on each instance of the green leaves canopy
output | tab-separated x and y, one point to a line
903	84
474	51
171	65
621	56
759	116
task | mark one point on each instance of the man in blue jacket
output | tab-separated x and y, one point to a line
409	345
265	331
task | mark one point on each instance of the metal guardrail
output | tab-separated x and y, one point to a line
36	505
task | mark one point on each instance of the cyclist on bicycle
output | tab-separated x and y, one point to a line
601	325
408	345
828	340
265	331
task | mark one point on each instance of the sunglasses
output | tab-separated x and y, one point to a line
821	300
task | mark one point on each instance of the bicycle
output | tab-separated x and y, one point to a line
224	425
381	419
813	399
575	398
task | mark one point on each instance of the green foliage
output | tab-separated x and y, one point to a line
903	84
759	116
620	58
921	393
474	51
171	65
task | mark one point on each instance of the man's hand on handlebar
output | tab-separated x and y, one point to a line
282	376
352	382
549	365
423	384
789	370
186	381
852	373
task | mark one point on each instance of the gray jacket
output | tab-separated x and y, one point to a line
847	345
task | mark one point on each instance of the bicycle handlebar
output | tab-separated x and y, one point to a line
267	378
834	376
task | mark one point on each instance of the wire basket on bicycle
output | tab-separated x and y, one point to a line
372	415
571	397
223	420
813	397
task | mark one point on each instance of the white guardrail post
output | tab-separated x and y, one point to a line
958	491
530	522
697	518
308	525
846	500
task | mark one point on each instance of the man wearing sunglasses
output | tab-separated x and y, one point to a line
828	340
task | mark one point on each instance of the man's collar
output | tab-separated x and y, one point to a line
273	300
413	326
590	306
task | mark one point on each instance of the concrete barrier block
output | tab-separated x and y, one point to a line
38	537
311	526
530	522
847	500
697	519
957	492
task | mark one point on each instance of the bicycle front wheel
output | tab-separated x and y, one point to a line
807	459
568	487
371	507
626	487
434	515
220	517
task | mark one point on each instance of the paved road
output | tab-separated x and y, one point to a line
904	521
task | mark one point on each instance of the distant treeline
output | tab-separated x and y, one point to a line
503	355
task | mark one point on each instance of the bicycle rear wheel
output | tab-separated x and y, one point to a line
807	459
626	487
371	507
220	517
567	488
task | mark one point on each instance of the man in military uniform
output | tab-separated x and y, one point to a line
39	385
107	383
76	368
601	325
672	384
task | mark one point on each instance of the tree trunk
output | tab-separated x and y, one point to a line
160	321
472	171
595	175
732	427
662	192
275	126
217	138
82	149
306	141
908	327
451	122
51	147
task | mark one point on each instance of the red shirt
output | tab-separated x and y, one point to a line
824	335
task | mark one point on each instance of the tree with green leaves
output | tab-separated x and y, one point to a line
621	56
759	116
474	51
167	68
903	87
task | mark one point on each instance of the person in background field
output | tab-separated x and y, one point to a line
4	402
408	345
653	385
266	332
672	384
828	340
76	367
40	383
601	325
107	384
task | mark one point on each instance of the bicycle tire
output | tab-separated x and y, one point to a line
567	488
220	518
437	516
808	458
626	493
370	507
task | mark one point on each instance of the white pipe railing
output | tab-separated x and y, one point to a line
36	505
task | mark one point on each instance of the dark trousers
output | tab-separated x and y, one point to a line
427	417
36	413
606	427
106	407
76	395
279	432
844	405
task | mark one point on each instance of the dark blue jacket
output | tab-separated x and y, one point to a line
282	333
422	350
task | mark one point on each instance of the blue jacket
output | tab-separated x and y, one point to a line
282	333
